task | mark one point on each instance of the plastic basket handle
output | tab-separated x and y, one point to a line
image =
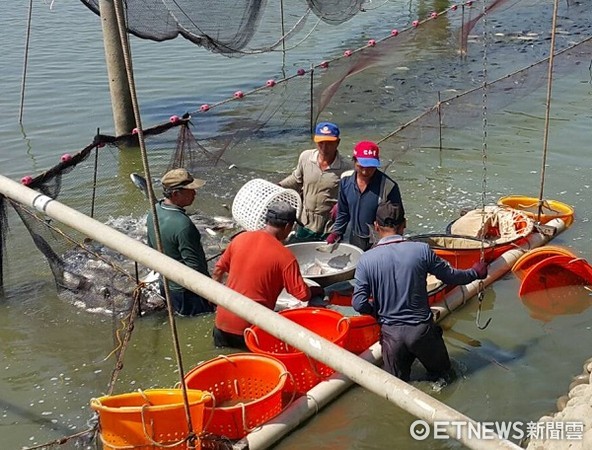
250	330
313	367
293	381
152	441
341	322
144	396
213	408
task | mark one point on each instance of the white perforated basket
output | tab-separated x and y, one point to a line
252	200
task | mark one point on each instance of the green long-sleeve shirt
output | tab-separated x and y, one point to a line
180	238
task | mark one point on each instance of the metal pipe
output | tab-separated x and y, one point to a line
362	372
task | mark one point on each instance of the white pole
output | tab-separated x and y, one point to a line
362	372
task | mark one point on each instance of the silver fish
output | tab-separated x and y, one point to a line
340	262
141	183
314	269
90	280
327	248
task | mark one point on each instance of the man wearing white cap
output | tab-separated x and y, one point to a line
317	177
359	196
180	238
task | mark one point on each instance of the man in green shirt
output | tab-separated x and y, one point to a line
180	238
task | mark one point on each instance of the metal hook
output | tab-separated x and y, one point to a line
478	318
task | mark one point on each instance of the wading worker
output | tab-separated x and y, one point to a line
259	267
360	192
390	284
316	177
180	238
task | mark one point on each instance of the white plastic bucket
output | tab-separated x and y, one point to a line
252	200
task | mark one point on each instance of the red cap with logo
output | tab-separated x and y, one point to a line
367	154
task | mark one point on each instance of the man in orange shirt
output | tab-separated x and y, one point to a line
259	267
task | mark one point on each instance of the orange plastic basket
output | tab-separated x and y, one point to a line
460	251
247	391
306	372
149	419
551	209
536	255
364	331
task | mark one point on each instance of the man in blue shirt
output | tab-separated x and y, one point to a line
360	192
391	285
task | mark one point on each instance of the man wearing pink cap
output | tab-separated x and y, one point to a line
316	177
359	196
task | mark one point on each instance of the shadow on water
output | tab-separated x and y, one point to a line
27	414
469	356
477	357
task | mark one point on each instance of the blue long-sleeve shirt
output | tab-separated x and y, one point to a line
359	208
394	274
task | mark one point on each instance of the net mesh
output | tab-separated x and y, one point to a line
226	142
224	26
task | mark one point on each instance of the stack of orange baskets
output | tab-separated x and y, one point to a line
306	372
246	389
149	419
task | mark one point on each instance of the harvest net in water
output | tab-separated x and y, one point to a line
87	273
227	142
227	27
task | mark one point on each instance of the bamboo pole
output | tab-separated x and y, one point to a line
362	372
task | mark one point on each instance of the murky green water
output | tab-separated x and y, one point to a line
54	356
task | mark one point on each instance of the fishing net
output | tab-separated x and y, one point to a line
223	26
87	273
249	134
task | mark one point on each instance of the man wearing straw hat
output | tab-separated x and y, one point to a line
391	285
316	177
259	267
180	238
